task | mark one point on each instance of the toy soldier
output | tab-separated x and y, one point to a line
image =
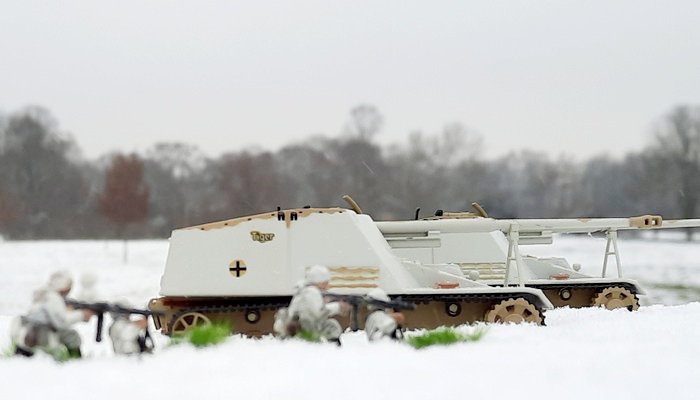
88	293
129	336
47	325
382	322
309	312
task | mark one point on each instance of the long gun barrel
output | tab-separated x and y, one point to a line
680	223
530	231
571	225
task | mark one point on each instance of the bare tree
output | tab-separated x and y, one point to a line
308	176
677	146
124	199
182	160
435	171
3	123
360	170
10	209
604	187
174	174
246	183
458	143
38	174
365	122
418	176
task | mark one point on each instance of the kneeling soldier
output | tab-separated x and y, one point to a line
382	322
129	336
309	312
47	325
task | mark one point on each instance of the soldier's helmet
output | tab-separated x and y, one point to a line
60	281
377	294
123	303
317	274
88	279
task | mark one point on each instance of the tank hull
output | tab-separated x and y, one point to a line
241	271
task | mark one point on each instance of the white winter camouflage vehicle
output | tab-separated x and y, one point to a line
488	251
243	270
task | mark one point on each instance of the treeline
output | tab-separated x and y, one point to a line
47	190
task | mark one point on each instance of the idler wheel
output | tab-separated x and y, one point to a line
189	320
514	311
616	297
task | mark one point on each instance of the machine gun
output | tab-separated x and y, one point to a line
101	308
356	301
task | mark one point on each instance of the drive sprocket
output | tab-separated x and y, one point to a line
616	297
514	311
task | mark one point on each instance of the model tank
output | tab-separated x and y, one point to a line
489	250
242	270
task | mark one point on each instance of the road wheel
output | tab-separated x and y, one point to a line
616	297
188	320
514	311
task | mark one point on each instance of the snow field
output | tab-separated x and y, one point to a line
580	354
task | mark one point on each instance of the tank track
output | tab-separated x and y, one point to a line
582	286
494	298
472	298
625	285
221	309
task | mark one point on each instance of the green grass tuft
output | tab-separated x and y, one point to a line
308	336
8	351
59	354
444	336
204	335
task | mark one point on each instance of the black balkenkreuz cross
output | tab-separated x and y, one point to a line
239	268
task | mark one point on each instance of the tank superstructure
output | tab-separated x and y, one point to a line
489	250
242	270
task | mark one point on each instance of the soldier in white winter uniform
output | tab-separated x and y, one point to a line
47	325
381	323
308	311
88	293
128	336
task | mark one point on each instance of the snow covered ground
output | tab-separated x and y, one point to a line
581	354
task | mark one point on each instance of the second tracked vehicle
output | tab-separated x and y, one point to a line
488	250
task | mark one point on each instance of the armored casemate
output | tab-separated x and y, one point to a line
244	269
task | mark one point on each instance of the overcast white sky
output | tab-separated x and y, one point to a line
581	77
